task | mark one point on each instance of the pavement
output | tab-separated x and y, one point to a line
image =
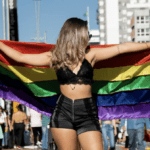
118	147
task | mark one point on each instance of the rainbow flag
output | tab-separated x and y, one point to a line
121	84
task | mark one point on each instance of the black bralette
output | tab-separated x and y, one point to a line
84	75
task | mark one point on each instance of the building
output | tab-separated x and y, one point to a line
140	25
107	19
125	16
128	9
95	40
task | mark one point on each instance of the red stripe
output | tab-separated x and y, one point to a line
25	48
137	58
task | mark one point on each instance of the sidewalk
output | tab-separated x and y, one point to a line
25	148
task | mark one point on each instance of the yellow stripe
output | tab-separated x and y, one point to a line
29	75
121	73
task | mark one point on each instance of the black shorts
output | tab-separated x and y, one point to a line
80	115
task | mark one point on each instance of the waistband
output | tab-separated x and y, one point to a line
63	98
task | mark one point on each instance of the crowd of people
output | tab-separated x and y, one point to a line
130	133
23	129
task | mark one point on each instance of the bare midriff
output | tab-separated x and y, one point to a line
80	91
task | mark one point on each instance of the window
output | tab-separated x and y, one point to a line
142	30
101	3
101	11
147	30
102	27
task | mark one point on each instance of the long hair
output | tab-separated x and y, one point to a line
19	107
71	44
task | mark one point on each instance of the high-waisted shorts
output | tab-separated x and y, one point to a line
80	115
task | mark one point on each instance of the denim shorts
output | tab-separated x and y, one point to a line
80	115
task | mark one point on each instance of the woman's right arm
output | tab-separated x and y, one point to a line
42	59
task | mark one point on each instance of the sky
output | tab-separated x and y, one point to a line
53	14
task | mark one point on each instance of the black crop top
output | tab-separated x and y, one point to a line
84	75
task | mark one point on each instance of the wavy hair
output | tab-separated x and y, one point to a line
71	44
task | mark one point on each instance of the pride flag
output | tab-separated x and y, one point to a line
121	84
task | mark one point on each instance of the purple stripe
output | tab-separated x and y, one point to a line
141	110
23	98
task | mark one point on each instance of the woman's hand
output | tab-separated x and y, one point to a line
115	131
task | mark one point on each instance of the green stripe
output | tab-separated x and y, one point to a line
106	87
44	88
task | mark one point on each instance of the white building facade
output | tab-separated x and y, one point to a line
113	14
108	21
141	26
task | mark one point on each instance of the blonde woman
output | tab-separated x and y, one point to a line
75	116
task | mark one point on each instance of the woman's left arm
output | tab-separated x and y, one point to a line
105	53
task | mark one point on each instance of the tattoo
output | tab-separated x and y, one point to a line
118	49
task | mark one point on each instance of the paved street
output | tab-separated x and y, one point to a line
118	147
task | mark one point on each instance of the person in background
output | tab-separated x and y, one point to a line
6	134
36	125
18	123
108	130
45	122
135	130
3	121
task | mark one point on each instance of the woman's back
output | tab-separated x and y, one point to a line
19	117
78	80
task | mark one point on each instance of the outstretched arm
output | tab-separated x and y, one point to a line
105	53
42	59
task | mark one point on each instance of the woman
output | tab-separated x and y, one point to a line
75	116
3	123
18	123
5	140
108	130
